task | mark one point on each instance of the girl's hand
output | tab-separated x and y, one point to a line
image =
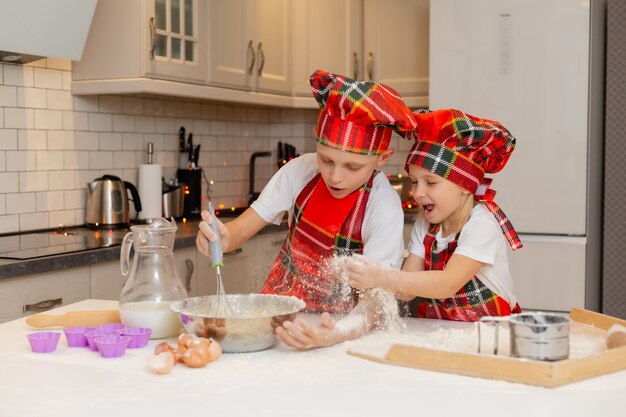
363	276
301	335
205	234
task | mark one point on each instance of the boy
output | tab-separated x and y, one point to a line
338	204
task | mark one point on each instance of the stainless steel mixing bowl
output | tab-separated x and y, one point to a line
249	328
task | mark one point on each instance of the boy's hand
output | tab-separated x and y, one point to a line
205	234
363	276
301	335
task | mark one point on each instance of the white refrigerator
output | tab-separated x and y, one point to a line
537	66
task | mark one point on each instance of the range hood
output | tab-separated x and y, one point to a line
33	29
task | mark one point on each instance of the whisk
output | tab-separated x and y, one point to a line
222	306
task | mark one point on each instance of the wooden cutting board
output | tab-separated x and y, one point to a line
546	374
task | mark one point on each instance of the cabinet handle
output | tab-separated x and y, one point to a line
370	66
261	55
42	305
356	66
251	57
233	252
153	38
190	269
278	242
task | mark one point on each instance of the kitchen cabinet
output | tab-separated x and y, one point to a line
107	279
22	296
158	39
250	44
385	41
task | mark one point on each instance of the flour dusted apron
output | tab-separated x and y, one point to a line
471	302
322	226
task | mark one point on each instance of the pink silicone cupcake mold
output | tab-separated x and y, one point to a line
43	342
139	336
112	346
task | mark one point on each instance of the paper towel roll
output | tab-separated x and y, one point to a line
149	188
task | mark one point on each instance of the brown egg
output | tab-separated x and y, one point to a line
163	347
196	357
180	352
162	363
616	339
215	350
184	339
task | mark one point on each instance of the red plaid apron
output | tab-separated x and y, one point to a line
322	226
471	302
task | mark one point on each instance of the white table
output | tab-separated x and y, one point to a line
275	382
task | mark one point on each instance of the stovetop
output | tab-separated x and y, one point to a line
38	244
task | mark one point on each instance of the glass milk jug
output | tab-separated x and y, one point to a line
153	284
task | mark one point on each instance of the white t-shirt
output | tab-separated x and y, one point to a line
383	222
481	239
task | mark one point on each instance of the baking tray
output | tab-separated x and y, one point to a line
545	374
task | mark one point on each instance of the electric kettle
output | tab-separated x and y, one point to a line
107	202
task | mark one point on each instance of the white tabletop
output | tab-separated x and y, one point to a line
275	382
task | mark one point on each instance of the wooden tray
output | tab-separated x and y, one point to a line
546	374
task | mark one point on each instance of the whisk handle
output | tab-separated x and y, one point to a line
217	257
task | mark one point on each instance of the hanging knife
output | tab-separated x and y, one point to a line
196	155
181	139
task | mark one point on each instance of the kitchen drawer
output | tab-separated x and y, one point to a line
59	288
235	272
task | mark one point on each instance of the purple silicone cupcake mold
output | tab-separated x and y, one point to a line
111	327
139	336
112	346
75	336
93	334
43	342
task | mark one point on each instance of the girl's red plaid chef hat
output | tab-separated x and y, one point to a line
462	148
358	116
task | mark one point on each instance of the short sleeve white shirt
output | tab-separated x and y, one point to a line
481	239
382	223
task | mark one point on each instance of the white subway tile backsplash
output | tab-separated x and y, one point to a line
132	141
34	98
89	141
61	180
123	123
50	200
9	182
83	177
60	139
281	131
8	139
19	118
201	127
31	139
124	159
59	63
61	218
74	160
33	221
59	99
100	160
191	109
145	124
48	78
153	107
67	81
8	96
19	203
49	161
86	103
79	217
3	199
3	166
218	128
48	119
73	120
100	122
110	104
33	181
167	125
8	223
132	105
18	75
110	141
21	161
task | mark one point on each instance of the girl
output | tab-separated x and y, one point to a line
458	260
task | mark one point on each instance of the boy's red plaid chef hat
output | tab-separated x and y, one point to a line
358	116
462	148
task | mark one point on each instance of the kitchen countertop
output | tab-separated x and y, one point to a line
276	382
185	238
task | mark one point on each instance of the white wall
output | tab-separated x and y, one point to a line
53	143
